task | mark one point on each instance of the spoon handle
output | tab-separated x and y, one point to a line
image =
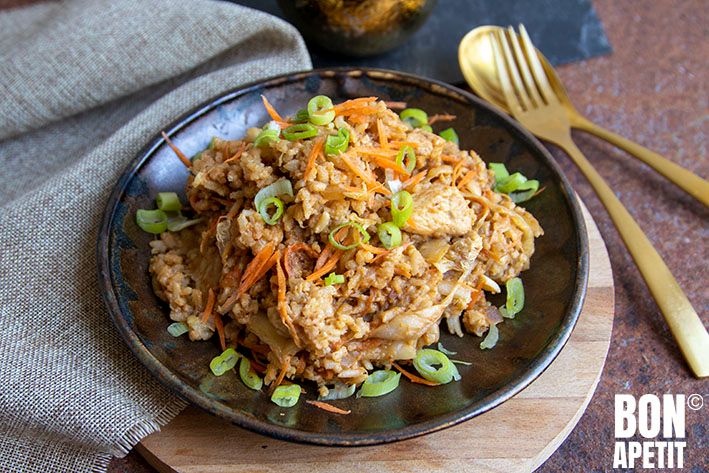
684	323
683	178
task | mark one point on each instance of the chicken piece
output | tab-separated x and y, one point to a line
440	211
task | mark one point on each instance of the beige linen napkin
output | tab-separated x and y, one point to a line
83	85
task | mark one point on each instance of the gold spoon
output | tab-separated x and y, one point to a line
475	56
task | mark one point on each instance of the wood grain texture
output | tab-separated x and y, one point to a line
514	437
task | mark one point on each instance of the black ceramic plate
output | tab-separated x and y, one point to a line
555	284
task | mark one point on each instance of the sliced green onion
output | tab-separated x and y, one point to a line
493	335
499	170
249	376
263	210
402	205
180	222
406	153
333	278
280	188
515	297
525	192
427	128
301	116
177	328
380	383
336	144
267	136
461	362
286	395
435	366
449	134
414	117
339	391
510	183
318	108
447	352
363	234
151	221
389	234
300	131
168	202
224	362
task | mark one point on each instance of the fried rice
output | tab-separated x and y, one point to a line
261	286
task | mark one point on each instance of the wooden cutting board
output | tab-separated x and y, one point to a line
514	437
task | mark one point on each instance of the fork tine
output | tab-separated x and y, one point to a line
513	71
537	69
523	67
505	83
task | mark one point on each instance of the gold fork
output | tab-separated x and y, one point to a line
533	103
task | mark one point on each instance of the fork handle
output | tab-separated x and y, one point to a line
683	178
684	323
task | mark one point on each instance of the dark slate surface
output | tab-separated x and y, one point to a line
564	30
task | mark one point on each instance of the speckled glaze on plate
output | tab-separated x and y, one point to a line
555	284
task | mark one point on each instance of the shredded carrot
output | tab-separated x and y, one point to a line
300	246
209	307
476	293
257	268
328	407
382	255
375	250
314	152
402	272
413	378
367	178
353	103
401	144
207	234
255	347
379	152
413	180
450	159
445	117
466	179
258	367
220	330
358	111
282	308
383	140
271	111
389	164
327	267
396	105
456	171
185	160
284	367
238	153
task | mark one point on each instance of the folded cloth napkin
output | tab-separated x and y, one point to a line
84	85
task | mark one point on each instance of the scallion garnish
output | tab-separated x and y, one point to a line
426	128
333	278
435	366
339	391
151	221
517	186
493	335
224	362
514	302
301	116
415	117
168	202
286	395
402	205
500	171
380	383
363	236
180	222
249	376
337	144
263	210
406	154
449	134
320	110
269	134
177	328
447	352
264	199
389	234
300	131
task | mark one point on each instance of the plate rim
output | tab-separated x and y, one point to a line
168	379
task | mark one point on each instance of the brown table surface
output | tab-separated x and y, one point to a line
652	89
